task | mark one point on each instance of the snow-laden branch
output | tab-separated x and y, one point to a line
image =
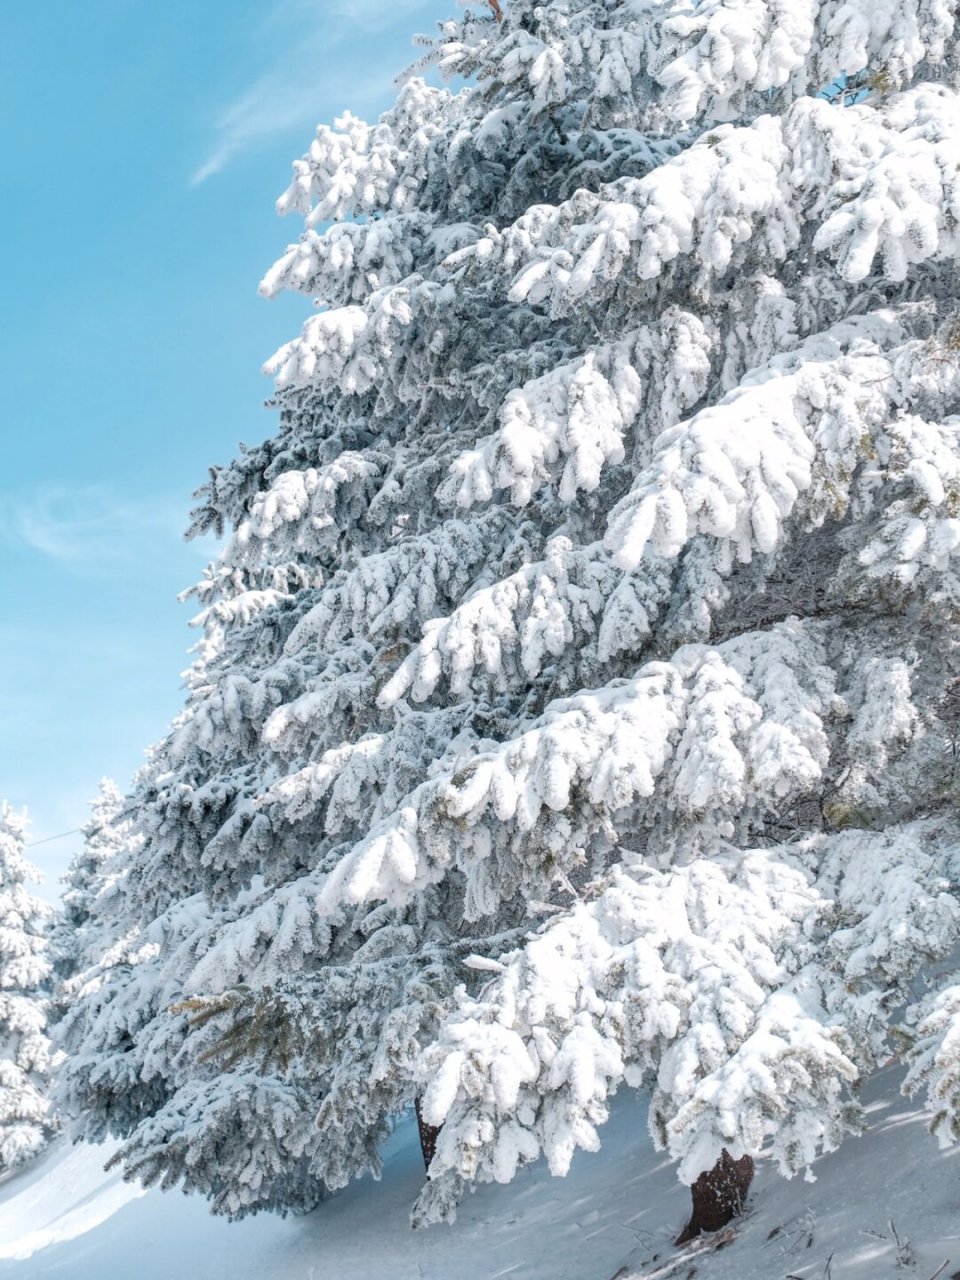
870	181
706	736
822	423
706	980
684	975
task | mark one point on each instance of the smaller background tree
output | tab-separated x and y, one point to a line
26	1056
92	887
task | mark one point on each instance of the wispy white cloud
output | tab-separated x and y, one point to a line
322	56
91	526
269	106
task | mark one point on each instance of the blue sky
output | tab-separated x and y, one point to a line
143	147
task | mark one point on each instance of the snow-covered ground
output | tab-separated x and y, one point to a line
616	1212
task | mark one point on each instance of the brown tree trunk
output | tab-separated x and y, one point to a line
428	1136
718	1195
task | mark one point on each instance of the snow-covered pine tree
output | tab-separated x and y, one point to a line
26	1057
92	883
602	568
97	937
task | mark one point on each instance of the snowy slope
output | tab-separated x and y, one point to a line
615	1213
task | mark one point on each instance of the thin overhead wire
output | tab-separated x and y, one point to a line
34	843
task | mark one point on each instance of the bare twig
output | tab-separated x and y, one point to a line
800	1231
904	1248
942	1267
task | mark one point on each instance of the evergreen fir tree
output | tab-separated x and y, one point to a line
91	885
26	1058
602	570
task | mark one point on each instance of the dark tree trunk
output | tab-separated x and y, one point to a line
428	1136
718	1195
